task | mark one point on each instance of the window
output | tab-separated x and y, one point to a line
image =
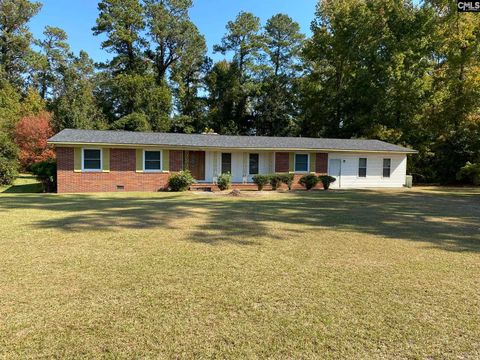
92	159
301	162
253	164
226	163
362	167
387	164
152	160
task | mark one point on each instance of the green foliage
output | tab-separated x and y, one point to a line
275	180
15	39
46	173
50	61
122	22
470	173
224	181
308	181
10	107
287	179
132	122
326	180
76	106
261	180
8	160
180	181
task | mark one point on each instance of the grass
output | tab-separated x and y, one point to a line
24	183
340	274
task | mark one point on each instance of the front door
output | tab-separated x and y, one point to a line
335	170
196	164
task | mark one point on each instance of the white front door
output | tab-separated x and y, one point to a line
335	170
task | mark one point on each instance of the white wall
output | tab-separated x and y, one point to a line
349	170
238	157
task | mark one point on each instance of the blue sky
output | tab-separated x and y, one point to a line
77	17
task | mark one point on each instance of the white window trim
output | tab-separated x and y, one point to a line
161	161
366	168
101	160
248	165
295	163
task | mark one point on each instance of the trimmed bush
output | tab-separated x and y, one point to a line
275	181
261	180
46	173
180	181
308	181
287	179
470	173
224	181
8	160
326	181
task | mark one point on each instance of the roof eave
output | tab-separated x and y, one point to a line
72	143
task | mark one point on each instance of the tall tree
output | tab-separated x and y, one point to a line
452	117
174	38
223	88
368	62
244	41
127	83
51	60
75	106
122	22
15	38
277	105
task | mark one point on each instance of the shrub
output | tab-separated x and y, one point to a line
224	181
46	173
180	181
326	181
470	173
275	181
261	180
8	160
308	181
287	179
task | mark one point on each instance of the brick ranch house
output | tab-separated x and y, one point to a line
97	161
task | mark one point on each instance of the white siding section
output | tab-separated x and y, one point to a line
349	170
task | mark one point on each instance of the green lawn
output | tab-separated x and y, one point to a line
24	183
340	274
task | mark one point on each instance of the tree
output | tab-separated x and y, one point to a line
76	106
10	106
223	88
133	122
243	39
122	22
15	38
8	160
174	38
452	116
31	135
127	84
368	65
277	105
283	42
51	61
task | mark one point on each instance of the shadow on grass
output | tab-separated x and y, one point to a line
445	221
24	183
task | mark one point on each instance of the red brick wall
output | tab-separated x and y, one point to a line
122	173
282	161
321	163
176	160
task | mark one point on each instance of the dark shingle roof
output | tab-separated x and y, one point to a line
220	141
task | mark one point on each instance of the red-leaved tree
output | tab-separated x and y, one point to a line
31	135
